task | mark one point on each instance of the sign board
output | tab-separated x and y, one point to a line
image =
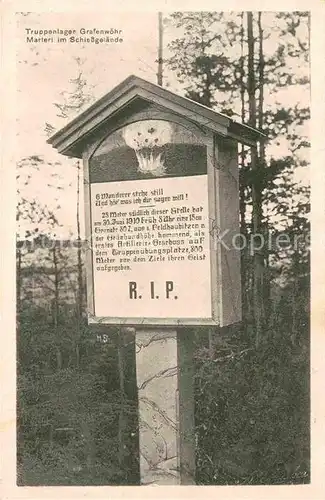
151	248
161	207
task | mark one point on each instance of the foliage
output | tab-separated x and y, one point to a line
31	213
68	417
251	429
242	71
200	58
253	409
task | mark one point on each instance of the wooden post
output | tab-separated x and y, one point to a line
164	365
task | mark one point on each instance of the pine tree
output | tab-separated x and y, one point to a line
264	54
211	69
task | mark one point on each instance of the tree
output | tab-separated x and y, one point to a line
73	102
202	57
30	213
256	164
32	217
207	62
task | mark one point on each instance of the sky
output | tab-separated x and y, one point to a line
44	71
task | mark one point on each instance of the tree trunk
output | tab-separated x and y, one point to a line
18	283
294	299
243	184
122	424
79	273
160	50
257	213
211	343
261	83
251	71
56	309
89	444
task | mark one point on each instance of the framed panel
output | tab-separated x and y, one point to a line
150	177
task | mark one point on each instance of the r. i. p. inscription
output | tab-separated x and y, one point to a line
150	237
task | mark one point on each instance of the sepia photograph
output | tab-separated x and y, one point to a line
163	248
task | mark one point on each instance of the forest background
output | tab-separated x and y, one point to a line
77	421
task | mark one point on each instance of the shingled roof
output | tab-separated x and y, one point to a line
71	138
